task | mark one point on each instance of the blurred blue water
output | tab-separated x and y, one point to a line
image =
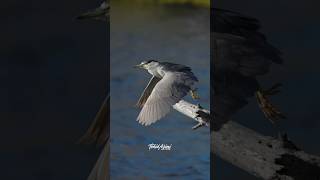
179	35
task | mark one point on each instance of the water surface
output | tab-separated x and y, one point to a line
168	33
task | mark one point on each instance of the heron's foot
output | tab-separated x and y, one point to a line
269	110
194	94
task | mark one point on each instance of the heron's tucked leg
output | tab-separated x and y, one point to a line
194	94
269	110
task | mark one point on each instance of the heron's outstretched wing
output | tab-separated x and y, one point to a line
147	91
167	92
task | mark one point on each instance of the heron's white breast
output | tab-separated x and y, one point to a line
156	71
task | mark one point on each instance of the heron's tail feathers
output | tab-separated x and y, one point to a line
270	111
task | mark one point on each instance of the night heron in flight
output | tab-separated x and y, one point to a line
241	54
169	84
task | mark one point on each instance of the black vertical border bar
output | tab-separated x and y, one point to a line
108	71
211	87
108	67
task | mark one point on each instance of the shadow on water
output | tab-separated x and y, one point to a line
169	33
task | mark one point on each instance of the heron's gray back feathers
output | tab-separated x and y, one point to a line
175	67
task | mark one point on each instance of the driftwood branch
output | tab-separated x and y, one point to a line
262	156
195	112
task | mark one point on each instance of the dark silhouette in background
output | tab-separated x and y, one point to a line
291	27
240	54
53	71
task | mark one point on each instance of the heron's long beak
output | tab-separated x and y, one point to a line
138	66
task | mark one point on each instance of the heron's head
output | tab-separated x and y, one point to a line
147	64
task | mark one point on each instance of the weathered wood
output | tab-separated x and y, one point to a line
265	157
195	112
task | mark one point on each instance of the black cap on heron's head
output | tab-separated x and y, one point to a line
148	61
145	62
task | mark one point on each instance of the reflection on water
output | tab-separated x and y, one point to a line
175	34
